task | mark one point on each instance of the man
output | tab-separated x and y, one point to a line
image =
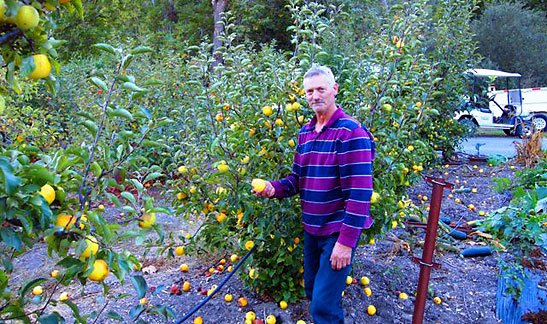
332	172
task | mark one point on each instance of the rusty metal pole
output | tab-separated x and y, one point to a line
426	262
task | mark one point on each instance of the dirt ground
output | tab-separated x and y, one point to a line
466	286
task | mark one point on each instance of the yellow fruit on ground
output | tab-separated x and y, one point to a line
267	110
249	245
283	304
91	248
242	302
186	286
437	300
403	296
147	220
270	319
54	273
198	320
367	291
65	221
258	185
228	297
101	207
43	67
27	17
37	291
482	213
374	197
300	322
233	258
230	268
251	316
364	280
143	301
349	280
183	267
100	271
63	296
48	193
179	250
371	310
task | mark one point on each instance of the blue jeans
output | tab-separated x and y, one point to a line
322	284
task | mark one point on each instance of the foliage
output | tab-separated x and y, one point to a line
512	38
80	173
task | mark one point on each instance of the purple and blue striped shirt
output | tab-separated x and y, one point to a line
332	172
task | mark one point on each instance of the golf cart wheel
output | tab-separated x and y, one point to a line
470	125
540	122
523	130
509	132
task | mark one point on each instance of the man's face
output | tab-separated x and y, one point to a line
320	94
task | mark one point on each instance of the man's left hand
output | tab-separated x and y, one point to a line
340	257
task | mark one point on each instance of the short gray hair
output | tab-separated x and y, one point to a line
320	70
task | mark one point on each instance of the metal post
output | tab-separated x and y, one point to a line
426	262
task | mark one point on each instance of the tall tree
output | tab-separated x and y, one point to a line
219	6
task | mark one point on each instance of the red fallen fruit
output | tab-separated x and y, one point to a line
174	290
354	281
179	292
204	292
207	274
152	289
258	321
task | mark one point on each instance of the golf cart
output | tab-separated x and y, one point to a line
488	108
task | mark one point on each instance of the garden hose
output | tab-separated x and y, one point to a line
198	306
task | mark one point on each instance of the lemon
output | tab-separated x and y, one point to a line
183	267
371	310
37	291
258	185
221	217
437	300
182	169
364	280
367	291
283	304
250	316
242	302
63	296
179	250
387	107
295	106
43	67
349	280
403	296
233	258
223	167
198	320
228	298
100	271
27	17
91	248
267	110
253	274
54	273
147	220
3	8
142	301
186	286
270	319
374	197
65	221
48	193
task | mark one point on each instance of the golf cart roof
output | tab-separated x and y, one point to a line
490	73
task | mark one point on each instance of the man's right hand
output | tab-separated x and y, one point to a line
268	192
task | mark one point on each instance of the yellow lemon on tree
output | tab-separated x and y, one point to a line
221	217
63	296
182	169
179	250
258	185
253	274
249	245
91	248
223	167
295	106
387	107
267	110
43	67
147	220
3	8
291	143
100	271
374	197
27	17
48	193
65	221
279	122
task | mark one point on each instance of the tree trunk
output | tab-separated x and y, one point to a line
219	6
384	2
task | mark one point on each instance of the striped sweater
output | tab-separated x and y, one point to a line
332	172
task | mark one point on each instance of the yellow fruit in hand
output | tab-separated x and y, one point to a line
349	280
267	110
179	250
371	310
403	296
437	300
147	220
43	67
228	298
367	291
65	221
100	271
249	245
63	296
374	197
91	248
364	280
270	319
27	17
283	304
37	291
48	193
258	185
183	267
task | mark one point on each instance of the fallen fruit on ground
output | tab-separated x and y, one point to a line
250	316
198	320
349	280
242	301
283	304
367	291
186	286
228	297
437	300
54	273
142	301
403	296
183	267
233	258
37	291
100	271
371	310
270	319
63	296
364	280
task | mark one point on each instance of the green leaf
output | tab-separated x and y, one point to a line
115	316
152	176
91	127
105	47
40	174
53	318
132	87
11	182
129	196
27	66
10	238
120	112
140	285
99	83
31	284
141	50
75	310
